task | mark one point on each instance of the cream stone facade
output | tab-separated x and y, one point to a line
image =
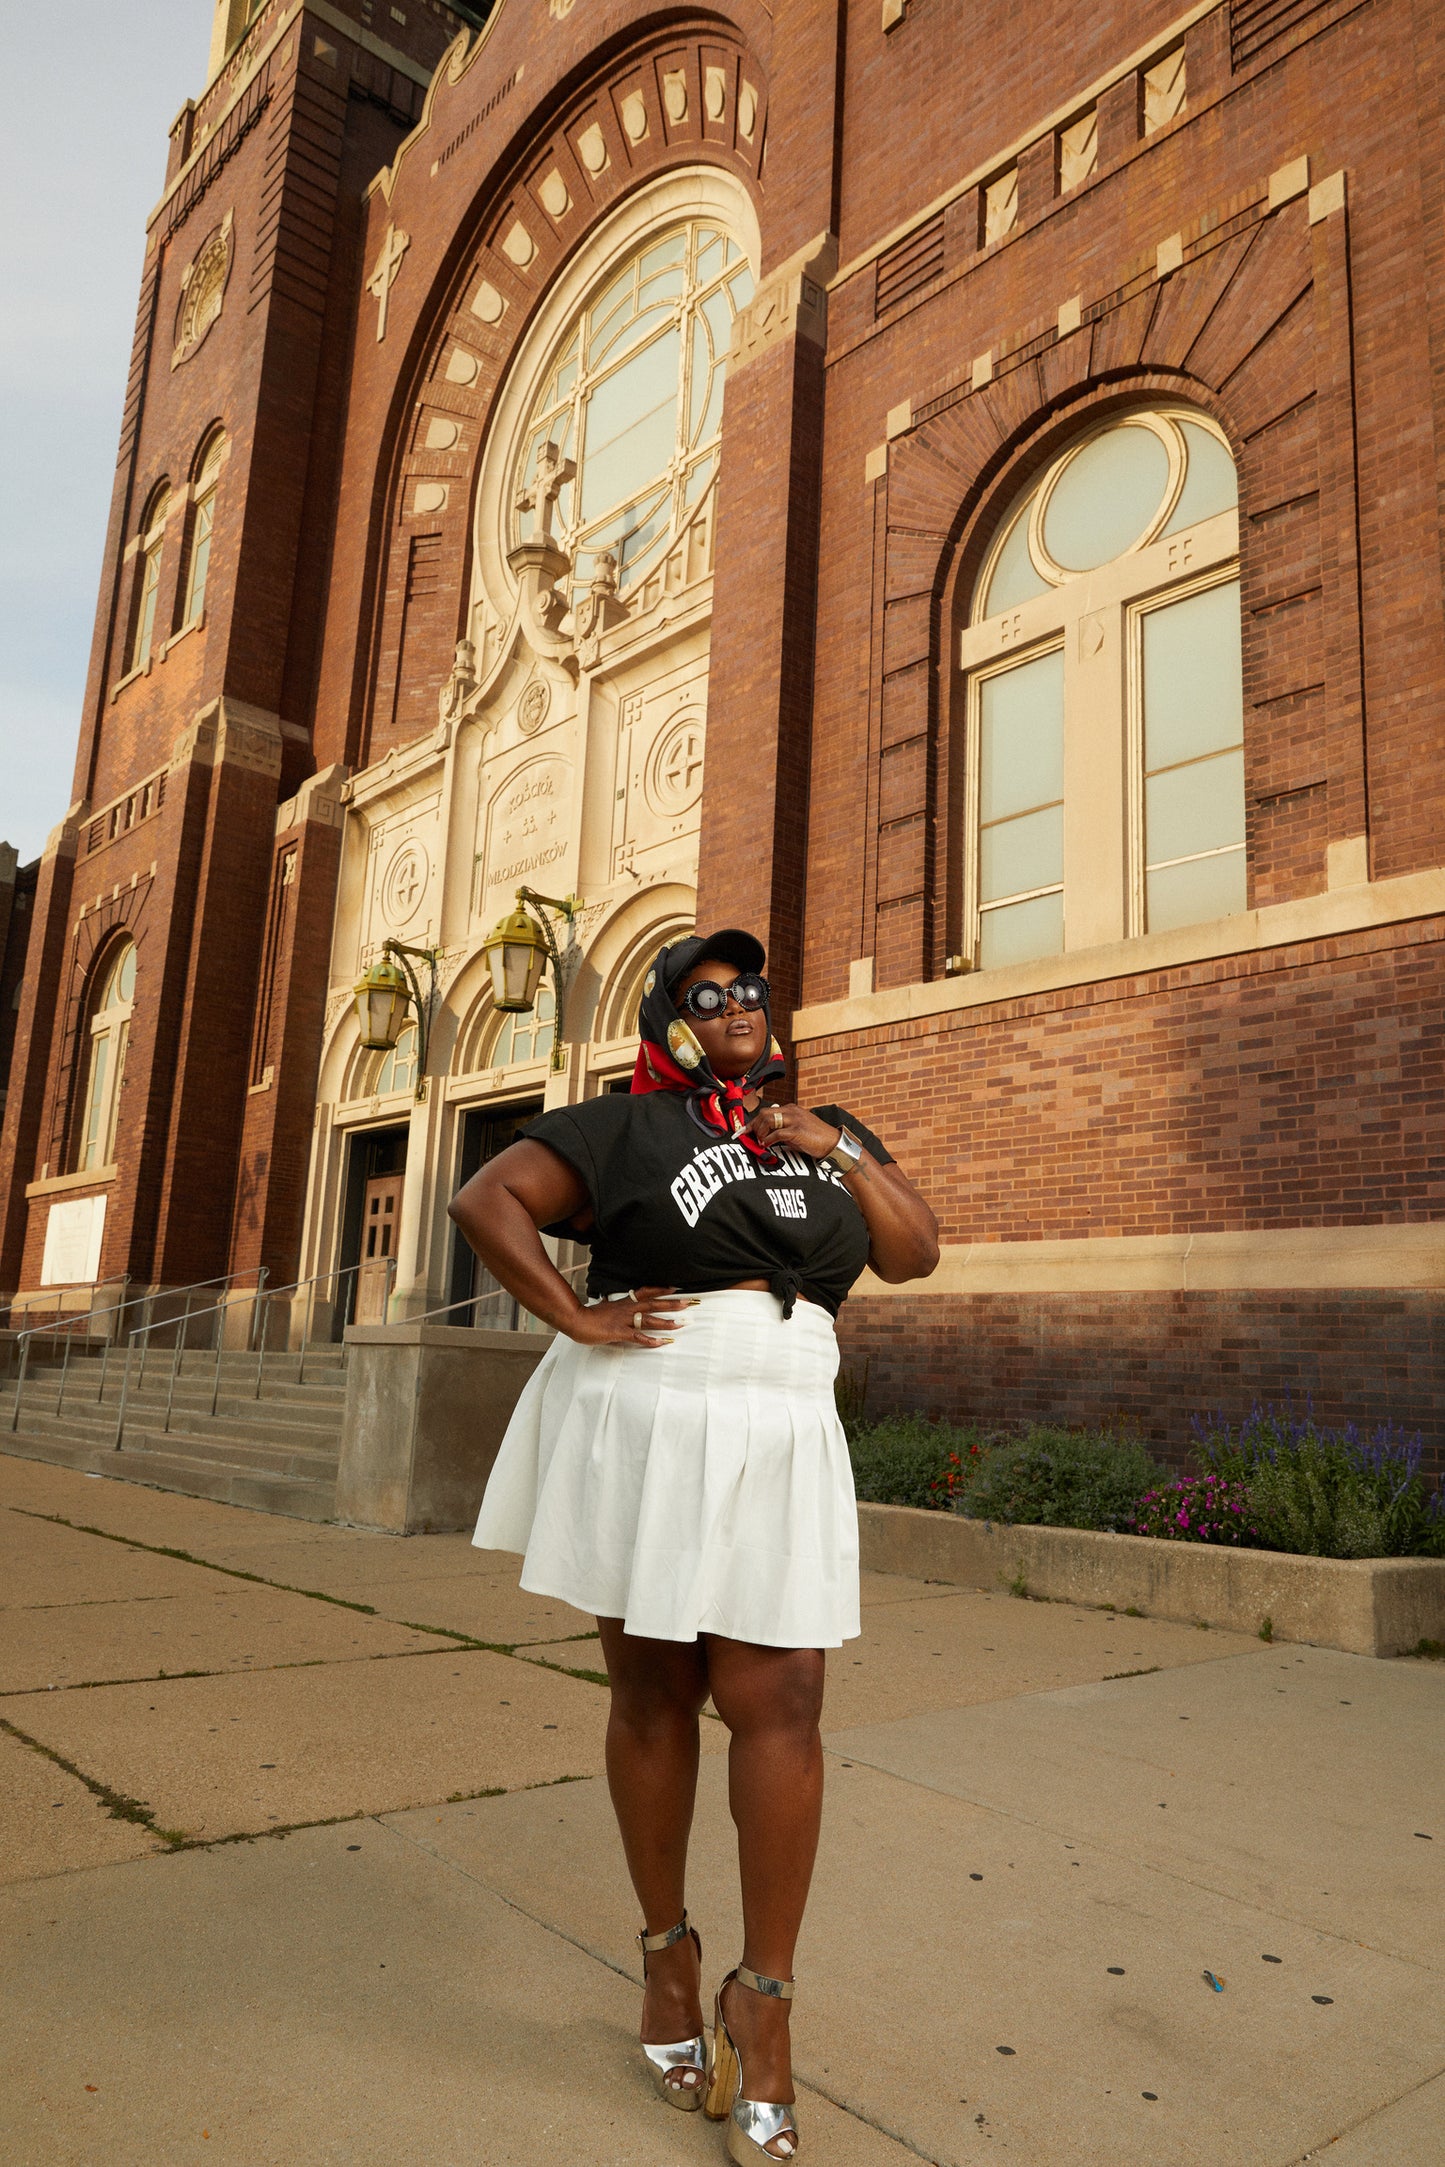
568	751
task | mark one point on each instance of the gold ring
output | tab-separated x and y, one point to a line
777	1117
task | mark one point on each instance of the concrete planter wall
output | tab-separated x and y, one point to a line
1374	1606
426	1408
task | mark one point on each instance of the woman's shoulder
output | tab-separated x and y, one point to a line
601	1120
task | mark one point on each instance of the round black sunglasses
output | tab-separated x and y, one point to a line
707	999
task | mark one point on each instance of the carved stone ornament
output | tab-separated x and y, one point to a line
459	687
404	884
673	781
792	303
598	610
203	289
532	707
384	271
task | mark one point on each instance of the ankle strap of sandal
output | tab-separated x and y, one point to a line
651	1943
777	1989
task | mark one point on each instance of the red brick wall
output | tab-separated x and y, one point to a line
1300	1086
1159	1360
1308	342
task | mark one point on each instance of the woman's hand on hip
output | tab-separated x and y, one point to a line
630	1320
793	1128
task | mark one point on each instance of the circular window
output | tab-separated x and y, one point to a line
1138	478
630	404
1105	499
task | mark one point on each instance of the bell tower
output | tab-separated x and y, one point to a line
196	861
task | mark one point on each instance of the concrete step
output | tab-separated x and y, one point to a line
242	1419
305	1452
279	1374
294	1496
291	1403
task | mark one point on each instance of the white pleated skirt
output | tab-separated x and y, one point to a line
700	1487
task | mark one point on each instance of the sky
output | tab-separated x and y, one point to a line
92	90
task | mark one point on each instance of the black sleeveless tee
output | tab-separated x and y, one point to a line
673	1207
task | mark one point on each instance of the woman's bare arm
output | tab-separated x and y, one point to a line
500	1210
902	1231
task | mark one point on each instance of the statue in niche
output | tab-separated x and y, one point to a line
459	687
600	608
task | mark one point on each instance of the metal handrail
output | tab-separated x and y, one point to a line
114	1310
338	1273
572	1274
142	1332
66	1328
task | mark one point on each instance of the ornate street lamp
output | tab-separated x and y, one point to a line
386	991
518	948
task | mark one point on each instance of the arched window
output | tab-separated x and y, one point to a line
148	574
622	995
203	514
526	1035
398	1066
1105	699
633	396
108	1031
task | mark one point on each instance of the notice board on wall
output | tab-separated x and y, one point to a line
72	1242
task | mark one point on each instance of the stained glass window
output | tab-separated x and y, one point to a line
526	1034
633	396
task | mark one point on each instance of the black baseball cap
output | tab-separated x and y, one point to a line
731	945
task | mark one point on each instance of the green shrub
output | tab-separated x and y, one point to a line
1328	1493
908	1460
1061	1478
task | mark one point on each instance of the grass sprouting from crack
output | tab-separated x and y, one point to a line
283	1587
116	1803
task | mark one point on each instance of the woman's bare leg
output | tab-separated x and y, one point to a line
770	1700
658	1689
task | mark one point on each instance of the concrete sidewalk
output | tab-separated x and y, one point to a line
309	1858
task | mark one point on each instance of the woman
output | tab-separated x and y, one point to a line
676	1465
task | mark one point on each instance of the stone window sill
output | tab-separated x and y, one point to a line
130	677
1346	908
197	624
58	1184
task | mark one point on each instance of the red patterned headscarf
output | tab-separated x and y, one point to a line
671	1059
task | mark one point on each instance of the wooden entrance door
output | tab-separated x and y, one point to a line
380	1219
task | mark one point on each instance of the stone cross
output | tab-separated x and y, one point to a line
383	276
540	497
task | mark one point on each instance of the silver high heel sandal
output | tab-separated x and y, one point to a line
678	2070
753	2124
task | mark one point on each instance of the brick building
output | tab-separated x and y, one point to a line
1058	601
17	908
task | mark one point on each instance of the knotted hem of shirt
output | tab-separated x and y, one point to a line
787	1285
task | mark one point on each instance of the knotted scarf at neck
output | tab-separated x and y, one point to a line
670	1058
